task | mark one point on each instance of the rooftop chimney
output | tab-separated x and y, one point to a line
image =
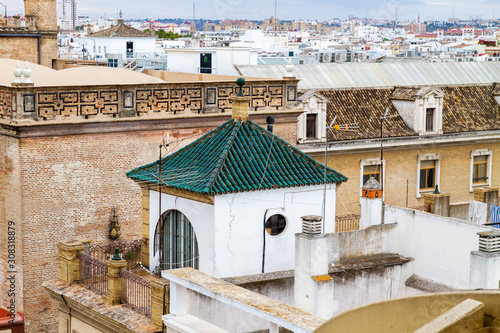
485	263
270	123
311	224
240	102
371	204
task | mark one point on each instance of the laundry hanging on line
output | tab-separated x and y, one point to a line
495	215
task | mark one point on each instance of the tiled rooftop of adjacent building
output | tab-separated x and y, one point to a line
465	109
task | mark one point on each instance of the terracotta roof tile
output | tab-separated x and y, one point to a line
120	30
465	109
470	108
365	107
405	93
496	89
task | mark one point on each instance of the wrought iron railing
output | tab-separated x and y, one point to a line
93	273
136	292
129	251
347	223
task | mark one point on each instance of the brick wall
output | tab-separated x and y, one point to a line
286	131
48	49
22	48
45	12
401	165
10	210
70	184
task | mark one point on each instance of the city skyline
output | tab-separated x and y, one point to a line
290	10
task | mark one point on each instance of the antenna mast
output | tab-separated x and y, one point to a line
159	218
353	127
194	16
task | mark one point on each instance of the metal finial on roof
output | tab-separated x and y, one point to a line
372	184
241	82
436	191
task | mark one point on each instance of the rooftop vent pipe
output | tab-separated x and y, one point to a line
311	224
270	123
489	241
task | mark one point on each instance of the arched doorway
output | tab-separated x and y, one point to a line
179	246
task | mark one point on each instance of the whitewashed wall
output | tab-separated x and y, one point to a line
200	215
119	45
239	227
440	246
374	240
353	289
223	59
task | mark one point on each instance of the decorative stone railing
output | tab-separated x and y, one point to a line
87	102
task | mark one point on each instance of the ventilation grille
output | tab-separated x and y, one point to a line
312	224
489	241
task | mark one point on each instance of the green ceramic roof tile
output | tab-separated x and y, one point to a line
237	156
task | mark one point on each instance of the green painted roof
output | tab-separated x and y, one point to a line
237	156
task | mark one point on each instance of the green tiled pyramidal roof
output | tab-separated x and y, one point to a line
237	156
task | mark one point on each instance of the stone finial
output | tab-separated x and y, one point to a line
289	69
27	74
18	72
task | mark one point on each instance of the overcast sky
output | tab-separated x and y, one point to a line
289	9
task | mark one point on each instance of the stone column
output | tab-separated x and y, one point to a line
439	203
69	264
159	301
113	296
240	107
313	287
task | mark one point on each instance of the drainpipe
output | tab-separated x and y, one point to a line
40	49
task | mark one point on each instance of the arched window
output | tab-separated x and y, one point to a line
179	245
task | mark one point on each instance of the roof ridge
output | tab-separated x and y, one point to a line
222	158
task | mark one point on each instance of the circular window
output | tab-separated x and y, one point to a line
275	224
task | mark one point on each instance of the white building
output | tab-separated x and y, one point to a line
232	201
397	252
210	60
122	42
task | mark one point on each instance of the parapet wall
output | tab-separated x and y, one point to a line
66	102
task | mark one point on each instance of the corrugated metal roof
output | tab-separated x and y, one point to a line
368	75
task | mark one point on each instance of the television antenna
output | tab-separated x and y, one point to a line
351	127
